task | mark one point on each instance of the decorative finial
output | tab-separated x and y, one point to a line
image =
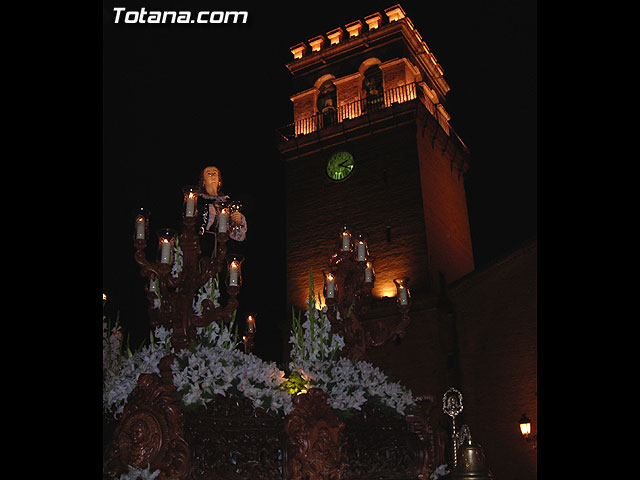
452	406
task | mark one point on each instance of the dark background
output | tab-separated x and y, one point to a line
177	98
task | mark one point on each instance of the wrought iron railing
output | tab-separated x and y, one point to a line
358	108
401	94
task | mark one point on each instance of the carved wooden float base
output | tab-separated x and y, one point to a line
229	439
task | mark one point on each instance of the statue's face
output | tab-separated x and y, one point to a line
211	177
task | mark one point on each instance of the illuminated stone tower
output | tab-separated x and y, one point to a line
371	147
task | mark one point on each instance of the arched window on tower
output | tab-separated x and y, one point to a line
327	103
372	89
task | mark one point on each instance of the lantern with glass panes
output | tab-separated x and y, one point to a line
525	429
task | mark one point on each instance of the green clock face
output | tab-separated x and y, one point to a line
340	166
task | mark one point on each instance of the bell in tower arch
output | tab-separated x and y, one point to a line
326	102
372	88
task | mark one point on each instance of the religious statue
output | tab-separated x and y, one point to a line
212	202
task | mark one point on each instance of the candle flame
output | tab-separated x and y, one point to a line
140	219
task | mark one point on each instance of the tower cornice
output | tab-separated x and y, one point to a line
309	57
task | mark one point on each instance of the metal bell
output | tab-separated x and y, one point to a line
472	464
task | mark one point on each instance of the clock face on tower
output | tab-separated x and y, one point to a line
340	166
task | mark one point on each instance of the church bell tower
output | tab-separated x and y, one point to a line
371	148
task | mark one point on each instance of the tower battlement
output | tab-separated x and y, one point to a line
355	34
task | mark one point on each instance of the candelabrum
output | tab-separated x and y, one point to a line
171	294
348	283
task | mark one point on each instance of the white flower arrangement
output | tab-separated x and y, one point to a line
178	261
441	471
140	474
348	383
210	291
111	346
313	340
352	383
123	375
206	371
213	365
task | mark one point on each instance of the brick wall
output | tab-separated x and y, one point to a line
403	194
483	340
419	361
396	73
383	191
496	323
486	348
348	89
445	206
304	105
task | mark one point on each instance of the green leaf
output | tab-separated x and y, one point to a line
235	335
350	308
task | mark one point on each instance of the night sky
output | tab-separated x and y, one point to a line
179	97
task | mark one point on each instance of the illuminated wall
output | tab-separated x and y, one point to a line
416	66
406	192
474	330
380	199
